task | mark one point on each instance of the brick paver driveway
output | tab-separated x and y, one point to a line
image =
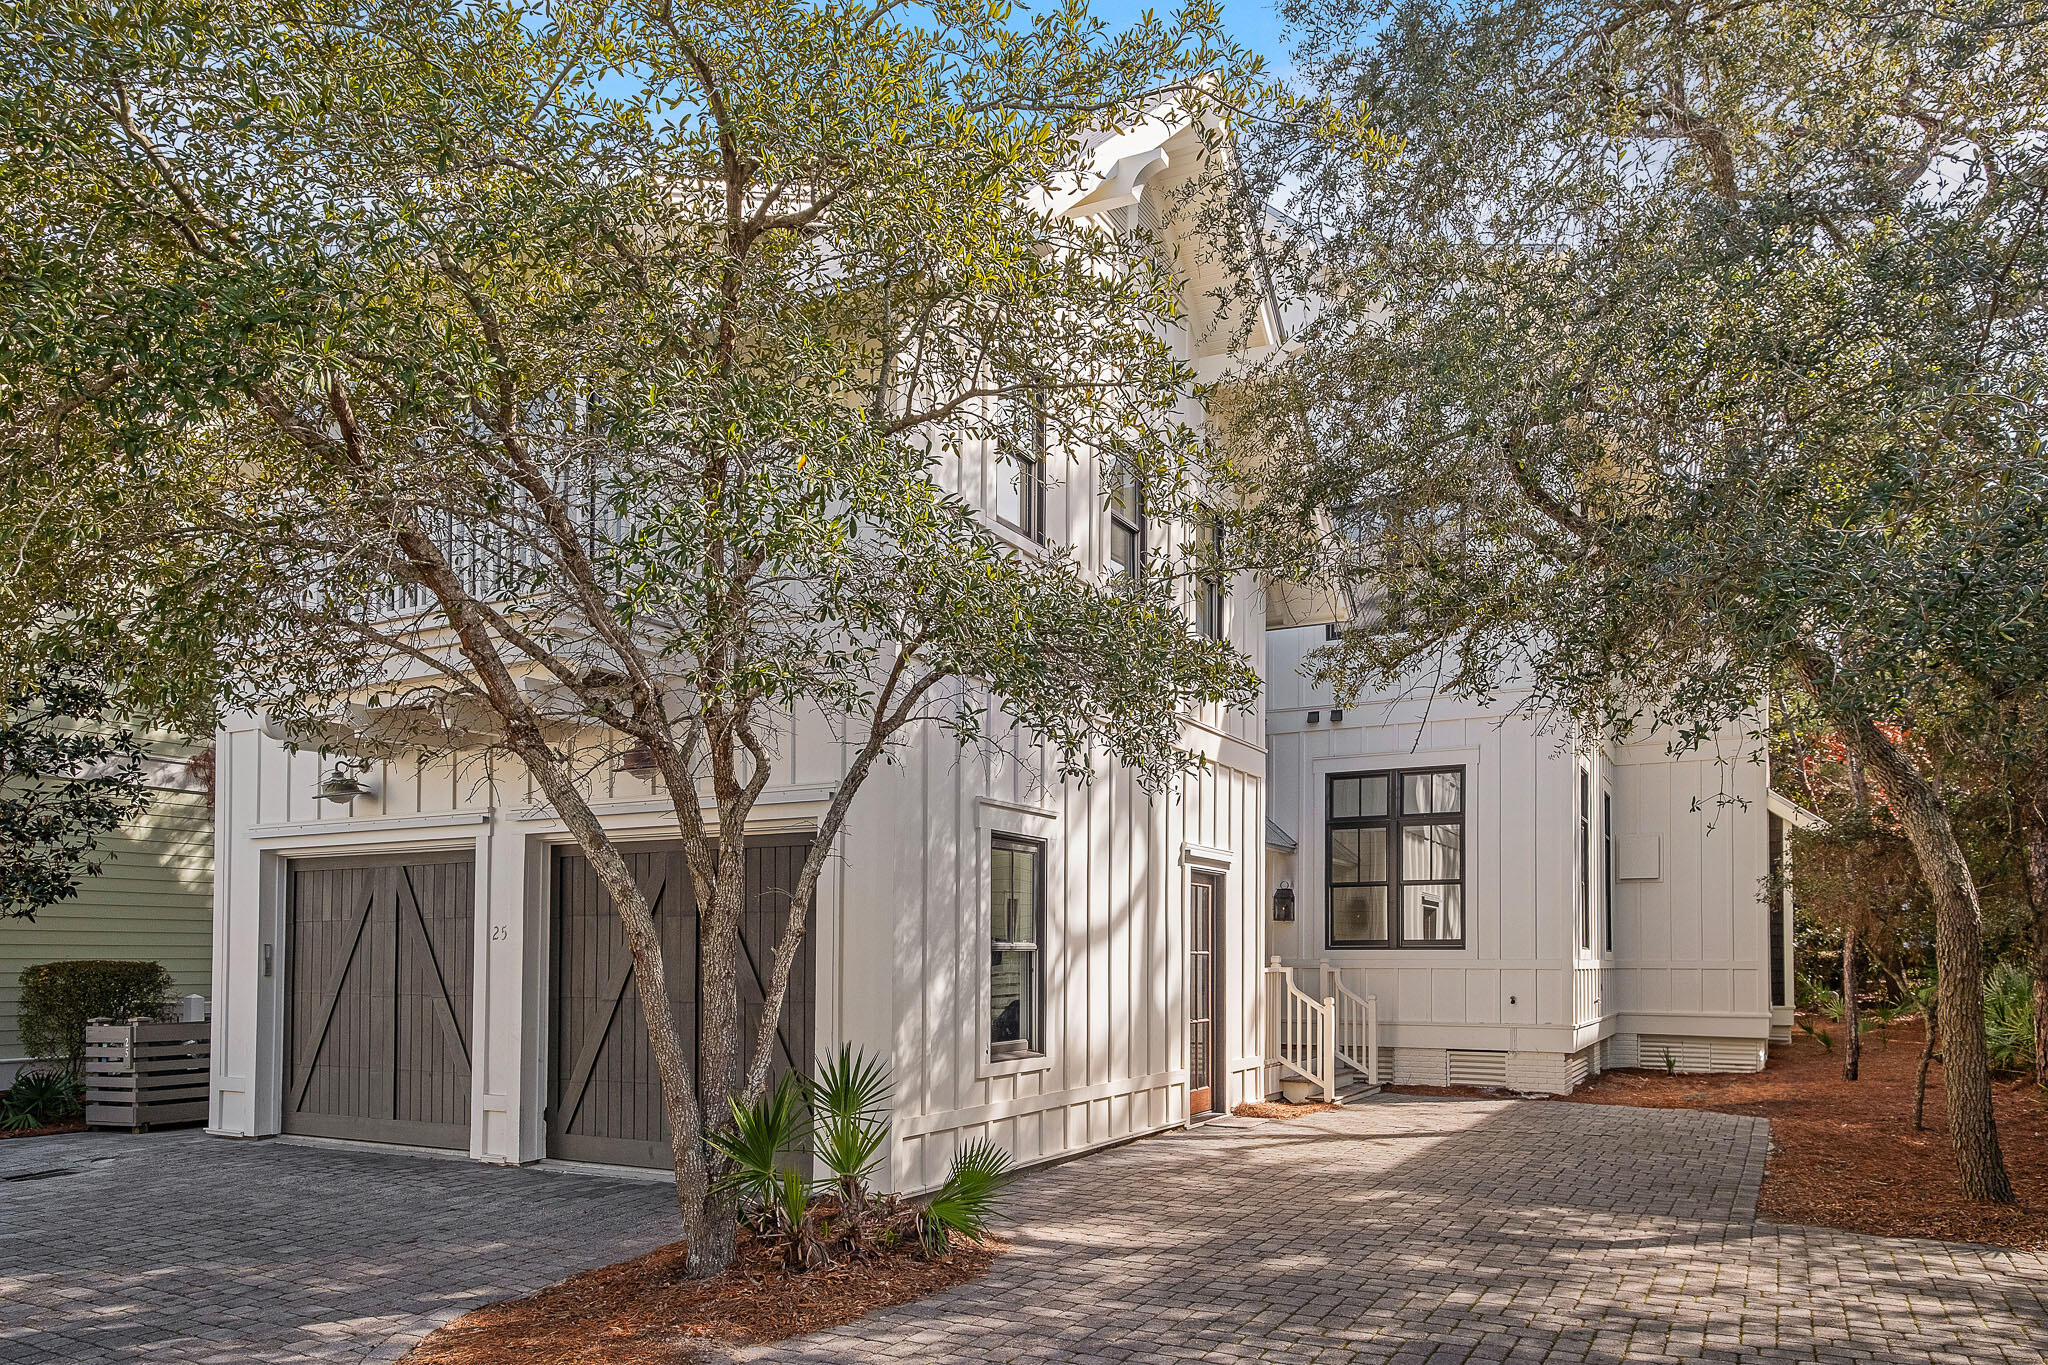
1451	1230
1401	1230
176	1247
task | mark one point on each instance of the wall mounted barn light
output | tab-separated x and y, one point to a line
1283	901
342	785
638	759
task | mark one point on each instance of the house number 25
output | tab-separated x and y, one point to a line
500	932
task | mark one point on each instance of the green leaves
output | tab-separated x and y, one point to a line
1651	343
963	1204
763	1136
849	1104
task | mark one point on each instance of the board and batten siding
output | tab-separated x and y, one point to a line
153	902
1690	952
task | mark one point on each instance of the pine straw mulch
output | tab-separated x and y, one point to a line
1844	1153
1279	1109
639	1312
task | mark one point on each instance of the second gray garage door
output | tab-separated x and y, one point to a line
604	1094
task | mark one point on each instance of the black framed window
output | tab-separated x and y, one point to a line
1019	493
1209	587
1394	858
1016	938
1126	523
1584	887
1607	864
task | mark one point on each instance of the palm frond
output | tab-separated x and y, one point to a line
761	1132
962	1204
850	1101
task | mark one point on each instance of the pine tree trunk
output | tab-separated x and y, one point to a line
2036	834
1959	960
1852	1054
1920	1083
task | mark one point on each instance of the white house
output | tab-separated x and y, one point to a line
1055	966
1526	910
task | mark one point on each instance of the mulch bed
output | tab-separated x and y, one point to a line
69	1126
640	1312
1277	1109
1844	1153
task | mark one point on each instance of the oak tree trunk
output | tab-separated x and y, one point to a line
1959	962
718	1036
643	942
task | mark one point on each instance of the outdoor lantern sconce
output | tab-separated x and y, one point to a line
1283	901
342	785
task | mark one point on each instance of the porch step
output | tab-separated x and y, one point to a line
1355	1089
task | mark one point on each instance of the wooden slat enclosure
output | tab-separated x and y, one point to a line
377	999
146	1075
604	1094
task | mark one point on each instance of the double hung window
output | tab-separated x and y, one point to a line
1209	586
1016	935
1019	493
1126	523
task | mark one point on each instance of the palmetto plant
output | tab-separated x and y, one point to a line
2009	1018
843	1115
963	1204
849	1103
762	1134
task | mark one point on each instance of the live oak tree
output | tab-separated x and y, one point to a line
572	378
1676	361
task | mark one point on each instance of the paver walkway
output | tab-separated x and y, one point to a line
1451	1231
177	1247
1401	1230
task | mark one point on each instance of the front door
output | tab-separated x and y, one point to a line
1205	962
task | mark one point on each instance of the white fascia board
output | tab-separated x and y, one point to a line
1792	813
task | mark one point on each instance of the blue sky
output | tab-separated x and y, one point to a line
1255	23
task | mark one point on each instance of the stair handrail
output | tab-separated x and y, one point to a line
1363	1012
1307	1028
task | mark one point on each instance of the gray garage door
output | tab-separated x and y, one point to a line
605	1096
377	999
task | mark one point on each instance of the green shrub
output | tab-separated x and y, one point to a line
2009	1018
58	997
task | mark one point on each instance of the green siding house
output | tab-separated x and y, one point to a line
153	900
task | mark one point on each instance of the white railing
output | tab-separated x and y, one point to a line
1357	1025
1304	1031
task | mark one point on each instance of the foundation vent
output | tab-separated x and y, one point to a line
1700	1054
1478	1068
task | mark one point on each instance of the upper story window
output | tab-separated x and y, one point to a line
1395	859
1209	593
1016	936
1019	495
1607	863
1584	887
1126	522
